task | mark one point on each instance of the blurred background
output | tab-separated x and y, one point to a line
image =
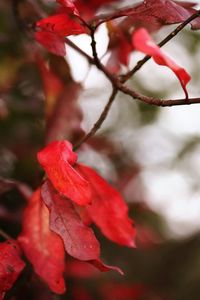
150	154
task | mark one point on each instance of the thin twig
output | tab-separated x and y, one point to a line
156	101
100	121
5	235
106	109
97	61
80	51
162	43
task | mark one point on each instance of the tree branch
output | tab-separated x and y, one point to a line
118	82
156	101
100	121
80	51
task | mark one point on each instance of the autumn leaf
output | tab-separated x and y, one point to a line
60	24
51	32
11	265
83	185
108	209
153	14
57	160
169	12
143	42
43	248
79	240
119	46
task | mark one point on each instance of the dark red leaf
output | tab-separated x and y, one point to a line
170	12
63	113
11	265
56	159
120	47
108	209
43	248
53	86
160	12
143	42
153	14
79	240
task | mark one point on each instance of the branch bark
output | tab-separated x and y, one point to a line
118	82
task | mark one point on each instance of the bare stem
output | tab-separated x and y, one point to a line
156	101
5	235
80	51
100	121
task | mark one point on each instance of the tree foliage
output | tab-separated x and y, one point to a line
60	218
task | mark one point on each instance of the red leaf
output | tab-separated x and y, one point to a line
51	41
43	248
60	24
108	209
143	42
11	265
51	32
120	47
79	240
56	159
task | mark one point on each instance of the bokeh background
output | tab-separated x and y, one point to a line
150	154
